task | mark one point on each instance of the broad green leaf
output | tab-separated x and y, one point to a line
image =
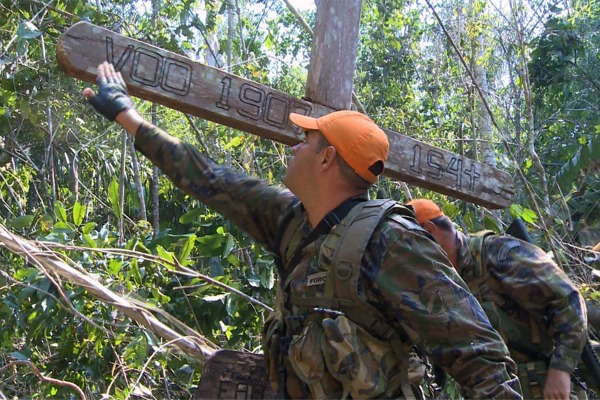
160	297
186	249
216	267
586	158
516	210
267	277
78	213
211	245
233	260
114	266
113	197
254	280
228	246
87	228
529	216
59	211
27	30
21	222
167	256
89	241
191	216
26	274
19	356
490	223
63	227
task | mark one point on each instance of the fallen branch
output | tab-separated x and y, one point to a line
192	344
45	378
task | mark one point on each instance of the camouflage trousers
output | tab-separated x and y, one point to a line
533	378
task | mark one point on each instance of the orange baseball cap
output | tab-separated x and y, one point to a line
360	142
425	210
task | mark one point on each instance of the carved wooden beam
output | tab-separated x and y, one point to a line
177	82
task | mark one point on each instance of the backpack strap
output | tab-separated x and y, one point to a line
476	247
344	275
288	227
350	239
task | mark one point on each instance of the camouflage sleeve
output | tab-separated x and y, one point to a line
532	280
432	305
248	202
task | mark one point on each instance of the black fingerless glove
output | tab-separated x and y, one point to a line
112	98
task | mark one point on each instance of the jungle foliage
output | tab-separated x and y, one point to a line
69	179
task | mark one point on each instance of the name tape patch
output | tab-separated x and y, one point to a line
316	279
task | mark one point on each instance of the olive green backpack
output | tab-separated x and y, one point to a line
348	240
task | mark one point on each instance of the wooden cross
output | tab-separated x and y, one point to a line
164	77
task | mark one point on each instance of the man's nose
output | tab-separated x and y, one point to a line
295	148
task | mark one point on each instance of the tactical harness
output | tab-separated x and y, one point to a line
347	238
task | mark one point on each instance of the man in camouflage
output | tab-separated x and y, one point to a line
403	273
527	297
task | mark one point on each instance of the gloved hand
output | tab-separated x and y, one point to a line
112	97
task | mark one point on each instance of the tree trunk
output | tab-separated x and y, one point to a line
333	56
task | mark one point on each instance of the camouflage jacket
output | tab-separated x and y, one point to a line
404	272
527	286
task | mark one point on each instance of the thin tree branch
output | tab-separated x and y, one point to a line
509	151
45	378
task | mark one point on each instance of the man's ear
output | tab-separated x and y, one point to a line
328	156
429	226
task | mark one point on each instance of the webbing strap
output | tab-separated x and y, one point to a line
343	276
354	235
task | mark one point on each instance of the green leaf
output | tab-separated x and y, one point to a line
114	266
63	227
228	246
191	216
19	356
113	197
26	274
529	216
27	30
167	256
586	158
254	281
211	245
490	223
215	267
516	211
186	249
89	241
78	213
21	222
59	212
87	228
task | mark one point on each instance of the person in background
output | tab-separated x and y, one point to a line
536	308
320	352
